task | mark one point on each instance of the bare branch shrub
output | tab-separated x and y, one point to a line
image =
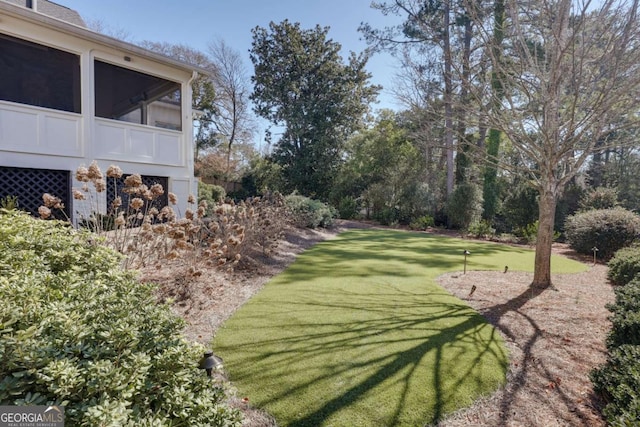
149	236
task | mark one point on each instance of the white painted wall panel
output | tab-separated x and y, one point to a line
19	130
169	149
60	135
110	141
141	145
121	141
39	131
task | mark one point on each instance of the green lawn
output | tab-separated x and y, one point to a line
357	333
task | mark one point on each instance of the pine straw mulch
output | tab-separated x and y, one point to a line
555	336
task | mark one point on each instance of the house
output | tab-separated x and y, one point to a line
69	96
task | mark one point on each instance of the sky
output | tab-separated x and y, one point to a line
196	23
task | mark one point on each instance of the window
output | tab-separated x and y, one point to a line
134	97
39	75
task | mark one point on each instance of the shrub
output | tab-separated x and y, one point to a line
310	213
393	204
618	382
77	331
599	198
9	203
464	206
481	229
149	237
624	266
210	193
267	219
625	317
606	229
529	233
387	216
422	223
264	176
348	207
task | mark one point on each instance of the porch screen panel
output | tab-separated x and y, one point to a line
135	97
39	75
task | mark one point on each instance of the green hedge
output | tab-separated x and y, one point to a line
77	331
606	229
624	266
625	317
618	380
210	193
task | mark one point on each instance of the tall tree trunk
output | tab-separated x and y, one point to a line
549	183
463	160
546	220
448	97
490	189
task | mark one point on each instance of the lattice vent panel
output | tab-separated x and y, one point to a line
115	187
28	185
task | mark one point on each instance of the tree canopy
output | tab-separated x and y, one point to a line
303	84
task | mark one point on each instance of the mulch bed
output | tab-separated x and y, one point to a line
555	338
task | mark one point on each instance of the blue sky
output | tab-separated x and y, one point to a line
197	22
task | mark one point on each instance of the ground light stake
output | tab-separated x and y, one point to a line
466	252
209	362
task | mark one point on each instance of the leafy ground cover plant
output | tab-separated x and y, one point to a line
77	330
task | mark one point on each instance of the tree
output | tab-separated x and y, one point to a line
383	169
572	73
432	46
302	84
233	120
490	188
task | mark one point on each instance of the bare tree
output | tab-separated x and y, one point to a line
234	121
100	26
427	28
571	71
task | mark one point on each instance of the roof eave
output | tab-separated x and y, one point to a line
86	34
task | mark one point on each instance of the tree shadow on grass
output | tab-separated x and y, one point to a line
421	337
427	329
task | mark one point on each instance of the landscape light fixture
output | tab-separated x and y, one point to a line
209	362
466	252
595	251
